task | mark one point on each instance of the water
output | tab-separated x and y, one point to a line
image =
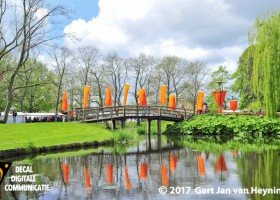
139	171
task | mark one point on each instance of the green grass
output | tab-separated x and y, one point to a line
48	134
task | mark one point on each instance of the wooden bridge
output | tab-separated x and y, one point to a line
122	113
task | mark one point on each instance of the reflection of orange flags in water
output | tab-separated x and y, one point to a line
163	95
164	175
110	171
86	95
201	165
172	102
173	162
142	97
108	99
144	171
200	97
65	169
220	98
127	180
233	105
221	164
87	178
126	89
64	106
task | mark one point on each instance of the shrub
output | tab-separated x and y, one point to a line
225	125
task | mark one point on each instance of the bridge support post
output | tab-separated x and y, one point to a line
123	123
159	126
114	125
149	126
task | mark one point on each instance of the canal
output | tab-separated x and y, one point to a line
155	169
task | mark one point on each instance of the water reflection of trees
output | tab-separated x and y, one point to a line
260	170
139	174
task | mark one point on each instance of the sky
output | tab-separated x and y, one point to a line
212	31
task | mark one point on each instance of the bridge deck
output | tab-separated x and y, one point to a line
101	114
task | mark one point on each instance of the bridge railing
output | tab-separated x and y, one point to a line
102	113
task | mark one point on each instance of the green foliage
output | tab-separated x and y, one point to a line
265	36
125	136
243	81
226	125
224	143
219	75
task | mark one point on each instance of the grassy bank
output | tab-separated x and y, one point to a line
48	134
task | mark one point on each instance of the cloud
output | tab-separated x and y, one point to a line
213	31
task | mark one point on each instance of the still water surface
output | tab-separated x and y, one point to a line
143	169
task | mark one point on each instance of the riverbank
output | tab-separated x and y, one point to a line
19	139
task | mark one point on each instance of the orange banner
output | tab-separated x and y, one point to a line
143	171
110	171
164	175
64	106
220	98
163	95
142	97
126	89
108	99
233	105
201	165
87	178
221	164
86	95
65	169
127	180
173	162
200	98
172	102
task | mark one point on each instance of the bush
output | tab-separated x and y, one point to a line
125	136
225	125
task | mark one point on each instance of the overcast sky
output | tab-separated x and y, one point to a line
212	31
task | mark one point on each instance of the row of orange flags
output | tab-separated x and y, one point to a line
109	101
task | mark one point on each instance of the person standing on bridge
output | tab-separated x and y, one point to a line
205	108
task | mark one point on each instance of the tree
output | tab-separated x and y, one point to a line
33	87
265	36
197	72
63	59
30	22
141	68
117	71
243	80
220	75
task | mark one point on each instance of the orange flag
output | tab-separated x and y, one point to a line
110	171
86	95
164	175
108	99
142	97
173	162
143	171
233	105
220	98
64	106
127	180
87	178
163	95
65	169
126	88
200	97
221	164
172	102
201	165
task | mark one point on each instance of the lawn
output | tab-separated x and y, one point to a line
48	134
